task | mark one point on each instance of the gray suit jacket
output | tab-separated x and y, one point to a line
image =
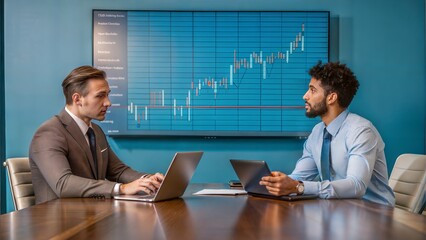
62	164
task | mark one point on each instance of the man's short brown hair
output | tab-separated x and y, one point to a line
76	81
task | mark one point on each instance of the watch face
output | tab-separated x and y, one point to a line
300	188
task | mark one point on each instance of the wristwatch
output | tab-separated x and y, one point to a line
300	187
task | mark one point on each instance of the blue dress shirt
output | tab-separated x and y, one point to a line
358	164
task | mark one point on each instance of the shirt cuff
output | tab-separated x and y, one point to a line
311	187
116	190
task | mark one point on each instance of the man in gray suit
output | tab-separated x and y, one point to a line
70	156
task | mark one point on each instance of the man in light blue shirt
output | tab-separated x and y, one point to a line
356	165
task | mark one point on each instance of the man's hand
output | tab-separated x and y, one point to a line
279	184
148	184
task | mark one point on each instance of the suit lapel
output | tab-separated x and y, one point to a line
73	129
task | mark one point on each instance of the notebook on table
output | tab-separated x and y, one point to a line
250	172
176	179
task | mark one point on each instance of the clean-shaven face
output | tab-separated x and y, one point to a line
95	104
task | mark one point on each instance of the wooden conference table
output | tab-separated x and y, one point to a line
211	217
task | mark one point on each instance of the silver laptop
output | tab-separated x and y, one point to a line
251	171
175	181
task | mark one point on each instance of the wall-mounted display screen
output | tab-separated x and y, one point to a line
208	73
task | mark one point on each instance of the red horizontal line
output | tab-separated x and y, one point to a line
224	107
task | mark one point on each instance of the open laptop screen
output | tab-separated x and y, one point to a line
178	175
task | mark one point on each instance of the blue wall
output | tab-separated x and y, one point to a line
382	41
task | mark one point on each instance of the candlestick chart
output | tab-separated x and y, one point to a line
210	73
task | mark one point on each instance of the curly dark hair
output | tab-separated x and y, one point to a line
338	78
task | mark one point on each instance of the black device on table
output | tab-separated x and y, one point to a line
250	172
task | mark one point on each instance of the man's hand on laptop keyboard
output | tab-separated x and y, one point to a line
148	184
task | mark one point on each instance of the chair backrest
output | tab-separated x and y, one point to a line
408	180
21	185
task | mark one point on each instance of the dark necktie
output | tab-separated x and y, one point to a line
92	143
325	156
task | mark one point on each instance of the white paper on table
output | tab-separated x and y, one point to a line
221	192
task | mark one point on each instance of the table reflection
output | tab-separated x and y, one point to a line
212	217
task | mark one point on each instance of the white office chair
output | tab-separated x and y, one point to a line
408	180
20	181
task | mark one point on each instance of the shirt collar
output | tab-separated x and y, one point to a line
81	124
335	125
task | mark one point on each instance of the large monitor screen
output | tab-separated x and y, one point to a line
208	73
